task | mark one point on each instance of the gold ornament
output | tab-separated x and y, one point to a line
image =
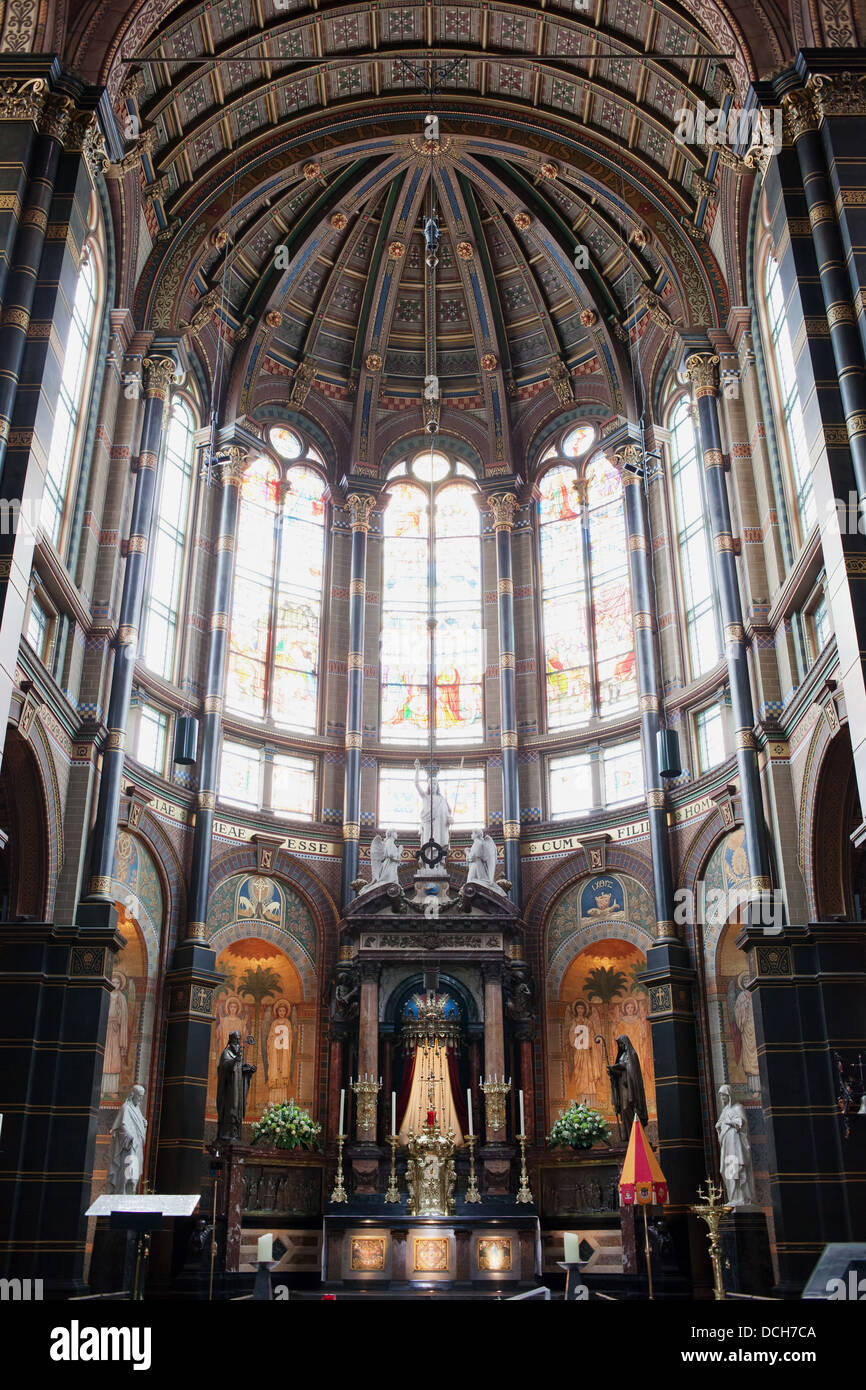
589	318
396	251
488	362
373	362
522	221
273	318
339	221
465	251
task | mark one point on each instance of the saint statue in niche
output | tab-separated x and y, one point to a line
126	1155
233	1084
436	817
732	1127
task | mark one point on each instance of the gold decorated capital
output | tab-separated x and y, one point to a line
159	375
799	114
504	506
232	463
629	457
838	94
22	100
702	370
360	509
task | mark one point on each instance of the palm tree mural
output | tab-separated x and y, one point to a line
260	982
605	984
637	971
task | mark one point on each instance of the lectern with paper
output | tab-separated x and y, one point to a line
142	1215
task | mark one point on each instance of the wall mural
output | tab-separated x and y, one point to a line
601	994
262	997
732	1023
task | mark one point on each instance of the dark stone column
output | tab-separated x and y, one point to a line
55	986
160	371
503	508
360	509
703	371
230	469
630	463
808	991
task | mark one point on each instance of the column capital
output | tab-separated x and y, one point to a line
503	506
702	370
799	114
231	464
23	99
629	462
360	508
159	375
837	94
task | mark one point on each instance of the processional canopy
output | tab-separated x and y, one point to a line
431	1020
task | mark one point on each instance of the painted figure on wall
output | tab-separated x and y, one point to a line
129	986
742	1018
587	1062
278	1033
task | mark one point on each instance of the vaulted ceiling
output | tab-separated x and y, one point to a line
270	124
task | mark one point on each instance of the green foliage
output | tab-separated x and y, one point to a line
605	984
579	1127
260	982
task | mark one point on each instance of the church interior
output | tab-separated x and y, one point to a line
432	646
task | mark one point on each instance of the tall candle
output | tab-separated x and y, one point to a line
469	1107
266	1248
342	1111
572	1248
520	1098
393	1112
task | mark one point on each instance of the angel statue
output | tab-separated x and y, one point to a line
436	814
481	858
385	856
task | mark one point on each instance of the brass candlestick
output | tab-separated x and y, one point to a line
710	1209
472	1193
523	1192
393	1195
339	1192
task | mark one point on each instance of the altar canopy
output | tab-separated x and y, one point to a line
431	1078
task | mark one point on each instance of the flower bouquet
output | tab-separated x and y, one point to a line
579	1127
286	1126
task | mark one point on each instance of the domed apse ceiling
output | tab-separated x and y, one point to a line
288	179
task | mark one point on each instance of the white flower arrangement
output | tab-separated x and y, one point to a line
286	1126
579	1127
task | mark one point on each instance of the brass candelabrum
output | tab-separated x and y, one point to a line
523	1192
366	1090
393	1195
495	1092
711	1209
472	1193
339	1192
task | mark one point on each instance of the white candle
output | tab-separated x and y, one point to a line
469	1106
266	1248
393	1112
520	1098
342	1111
572	1248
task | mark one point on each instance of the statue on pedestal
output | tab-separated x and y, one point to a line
385	856
626	1084
126	1155
732	1127
481	858
233	1084
436	817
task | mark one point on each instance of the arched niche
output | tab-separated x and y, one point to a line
25	859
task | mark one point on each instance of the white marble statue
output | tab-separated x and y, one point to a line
436	814
385	856
481	858
732	1128
126	1155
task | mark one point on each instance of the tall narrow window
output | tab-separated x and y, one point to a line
75	380
787	395
696	562
276	609
168	546
459	635
586	605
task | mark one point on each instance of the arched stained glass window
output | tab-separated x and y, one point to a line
695	553
75	379
169	542
273	659
787	395
459	641
586	604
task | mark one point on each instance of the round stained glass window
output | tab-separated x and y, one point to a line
285	442
577	441
431	468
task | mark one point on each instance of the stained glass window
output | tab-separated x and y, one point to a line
788	395
696	562
277	600
574	791
165	572
586	605
69	400
399	802
459	638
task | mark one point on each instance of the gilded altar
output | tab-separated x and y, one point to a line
430	1173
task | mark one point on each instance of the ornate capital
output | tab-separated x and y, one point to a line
504	506
560	380
629	457
843	94
651	302
22	101
303	380
159	375
702	370
231	463
799	114
360	509
56	117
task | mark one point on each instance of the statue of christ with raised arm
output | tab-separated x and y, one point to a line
436	814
